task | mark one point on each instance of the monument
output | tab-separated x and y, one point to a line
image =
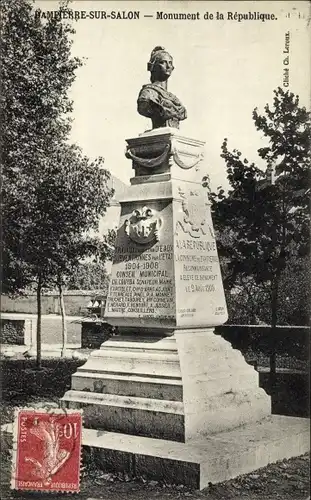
167	397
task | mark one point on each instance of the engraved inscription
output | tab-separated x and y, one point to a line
198	273
197	269
142	282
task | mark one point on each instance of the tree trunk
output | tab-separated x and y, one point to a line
39	357
275	296
274	310
64	324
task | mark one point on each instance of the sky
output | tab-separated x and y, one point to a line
223	70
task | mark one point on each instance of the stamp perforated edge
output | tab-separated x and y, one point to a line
15	446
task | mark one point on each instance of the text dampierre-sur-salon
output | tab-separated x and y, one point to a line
159	15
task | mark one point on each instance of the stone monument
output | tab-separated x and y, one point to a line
166	396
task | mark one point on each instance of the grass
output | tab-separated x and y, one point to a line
21	380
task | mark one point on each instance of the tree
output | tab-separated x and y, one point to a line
71	194
90	275
37	71
294	290
264	217
52	195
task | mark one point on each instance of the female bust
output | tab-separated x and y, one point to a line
154	100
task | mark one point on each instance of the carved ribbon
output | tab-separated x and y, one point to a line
183	165
149	162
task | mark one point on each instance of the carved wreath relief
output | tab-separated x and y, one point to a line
143	226
168	153
194	221
194	159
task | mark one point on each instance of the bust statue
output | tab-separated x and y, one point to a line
154	100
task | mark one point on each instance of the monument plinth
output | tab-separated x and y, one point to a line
165	273
167	398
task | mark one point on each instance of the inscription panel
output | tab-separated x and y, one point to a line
142	283
173	279
142	280
200	295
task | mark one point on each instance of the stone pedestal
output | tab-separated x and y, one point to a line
179	388
167	380
165	274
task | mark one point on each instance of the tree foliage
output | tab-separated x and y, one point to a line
37	71
68	195
90	275
263	220
52	195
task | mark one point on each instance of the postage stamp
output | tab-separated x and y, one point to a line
47	450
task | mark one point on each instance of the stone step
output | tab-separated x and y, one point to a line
164	387
160	418
156	363
226	411
213	459
128	385
210	460
131	354
139	343
153	364
219	401
135	403
164	345
217	390
132	415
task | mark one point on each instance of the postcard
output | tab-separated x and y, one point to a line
155	248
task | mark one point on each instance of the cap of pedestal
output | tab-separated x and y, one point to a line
164	151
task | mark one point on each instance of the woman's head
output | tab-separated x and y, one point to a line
160	64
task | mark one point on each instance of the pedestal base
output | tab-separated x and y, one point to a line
181	388
187	409
212	460
132	385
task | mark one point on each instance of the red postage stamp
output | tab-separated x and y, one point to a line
47	450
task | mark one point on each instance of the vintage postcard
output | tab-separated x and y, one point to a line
156	237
